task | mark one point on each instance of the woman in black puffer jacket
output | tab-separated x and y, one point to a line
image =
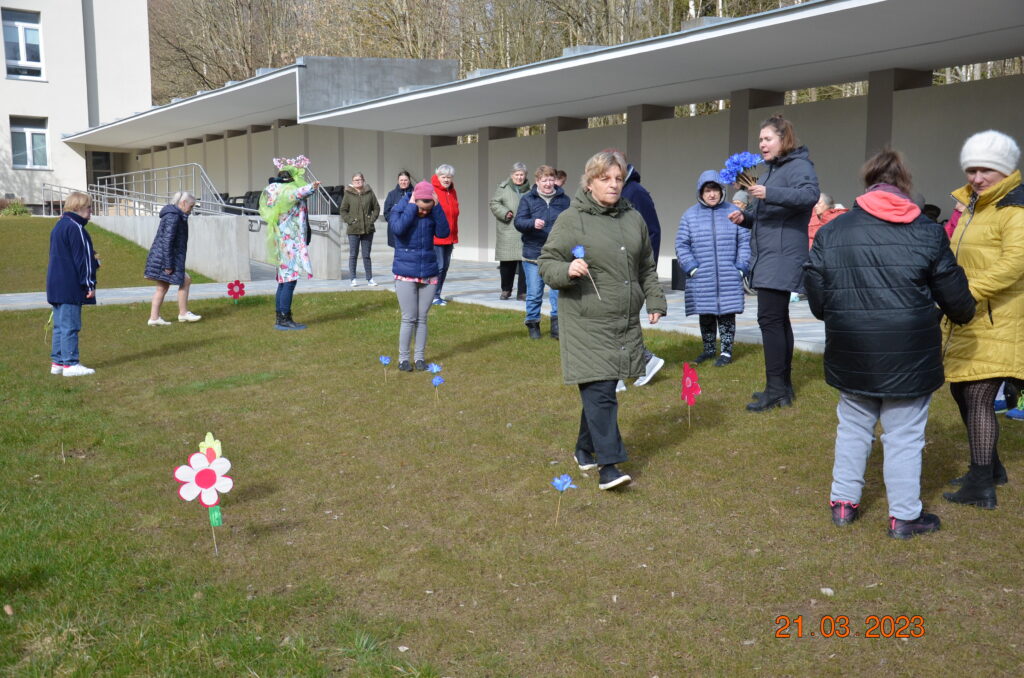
165	264
778	215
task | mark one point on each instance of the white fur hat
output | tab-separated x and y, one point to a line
992	150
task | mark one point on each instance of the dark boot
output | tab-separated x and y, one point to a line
294	325
281	322
533	327
554	327
757	395
999	476
977	490
774	395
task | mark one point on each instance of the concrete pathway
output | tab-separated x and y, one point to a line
468	282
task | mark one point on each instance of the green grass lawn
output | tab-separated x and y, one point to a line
121	261
368	517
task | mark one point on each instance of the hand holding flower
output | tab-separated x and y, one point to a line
736	217
757	191
578	268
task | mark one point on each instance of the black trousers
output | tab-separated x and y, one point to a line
599	423
508	270
776	334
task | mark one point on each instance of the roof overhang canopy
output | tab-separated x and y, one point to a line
812	44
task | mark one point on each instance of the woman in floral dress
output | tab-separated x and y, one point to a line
283	207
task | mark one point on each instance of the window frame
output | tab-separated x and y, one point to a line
28	131
20	26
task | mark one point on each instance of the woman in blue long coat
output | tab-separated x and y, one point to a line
165	264
715	253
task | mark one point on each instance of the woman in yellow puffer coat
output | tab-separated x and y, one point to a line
989	245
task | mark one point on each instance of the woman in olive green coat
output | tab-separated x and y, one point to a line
359	209
508	244
602	289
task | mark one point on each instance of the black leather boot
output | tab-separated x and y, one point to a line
294	325
554	327
533	327
279	323
977	490
999	476
774	395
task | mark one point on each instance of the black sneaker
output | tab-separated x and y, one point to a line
905	529
421	366
585	460
723	360
844	512
611	477
404	366
706	355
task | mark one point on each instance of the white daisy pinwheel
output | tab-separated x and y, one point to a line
204	479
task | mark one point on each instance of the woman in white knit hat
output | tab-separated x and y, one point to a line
989	245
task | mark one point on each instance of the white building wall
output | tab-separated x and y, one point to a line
401	152
122	57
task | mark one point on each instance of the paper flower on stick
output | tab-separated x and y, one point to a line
579	252
437	381
434	368
691	387
210	447
561	483
204	479
236	290
736	166
385	360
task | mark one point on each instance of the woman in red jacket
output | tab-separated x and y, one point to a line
444	185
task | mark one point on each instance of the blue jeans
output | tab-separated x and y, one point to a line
903	421
283	298
535	292
67	323
444	258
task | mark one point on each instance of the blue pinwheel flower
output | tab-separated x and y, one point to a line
562	482
437	381
579	252
433	368
385	360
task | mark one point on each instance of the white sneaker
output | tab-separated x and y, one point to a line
56	369
620	387
371	282
354	283
78	370
189	317
653	365
157	323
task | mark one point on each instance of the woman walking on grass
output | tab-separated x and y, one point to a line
165	264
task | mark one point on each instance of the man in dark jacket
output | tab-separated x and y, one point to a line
874	276
640	198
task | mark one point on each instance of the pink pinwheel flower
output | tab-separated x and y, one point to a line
204	478
236	289
691	388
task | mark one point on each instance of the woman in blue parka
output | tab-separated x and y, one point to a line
715	253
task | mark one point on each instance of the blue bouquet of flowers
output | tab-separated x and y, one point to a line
736	167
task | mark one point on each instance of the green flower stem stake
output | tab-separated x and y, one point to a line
204	478
561	483
385	360
437	381
579	253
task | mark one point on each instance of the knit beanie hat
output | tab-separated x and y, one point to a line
423	191
992	150
742	196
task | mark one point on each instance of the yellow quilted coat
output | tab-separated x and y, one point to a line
989	245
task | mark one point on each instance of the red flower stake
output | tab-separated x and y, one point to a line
691	389
204	478
236	290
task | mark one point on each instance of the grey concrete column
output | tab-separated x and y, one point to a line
881	86
341	156
740	103
552	126
485	183
636	116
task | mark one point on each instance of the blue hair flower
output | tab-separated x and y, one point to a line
579	252
562	482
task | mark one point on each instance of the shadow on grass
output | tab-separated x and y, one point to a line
32	578
348	313
478	343
163	351
253	492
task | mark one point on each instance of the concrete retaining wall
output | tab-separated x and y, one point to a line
325	249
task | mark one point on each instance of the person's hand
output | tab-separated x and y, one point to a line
412	200
90	294
653	318
736	217
578	268
538	224
508	217
316	184
757	191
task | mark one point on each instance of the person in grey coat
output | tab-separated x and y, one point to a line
507	245
778	215
165	264
715	254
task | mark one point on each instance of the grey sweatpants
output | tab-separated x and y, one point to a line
903	422
414	300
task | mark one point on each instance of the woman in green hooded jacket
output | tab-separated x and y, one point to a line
598	256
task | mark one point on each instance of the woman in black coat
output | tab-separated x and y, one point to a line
165	264
399	194
778	215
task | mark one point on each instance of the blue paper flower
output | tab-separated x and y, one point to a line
579	252
437	381
433	368
738	163
562	482
385	360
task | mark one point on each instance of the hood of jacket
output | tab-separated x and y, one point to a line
172	209
536	191
889	206
585	202
710	177
366	189
632	174
798	152
523	188
995	194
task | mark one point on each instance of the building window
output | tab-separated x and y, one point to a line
23	45
29	143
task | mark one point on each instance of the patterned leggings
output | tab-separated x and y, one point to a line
711	324
975	398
